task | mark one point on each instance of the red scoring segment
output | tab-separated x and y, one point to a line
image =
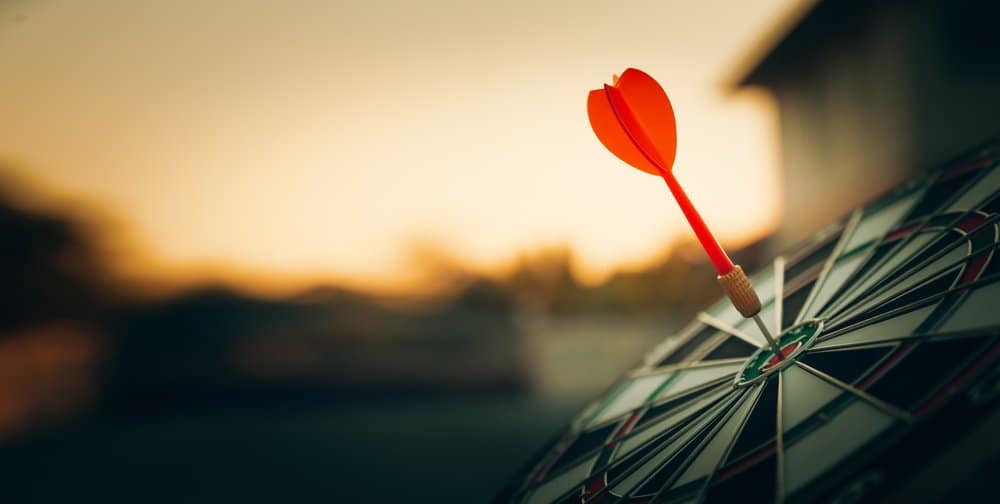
635	121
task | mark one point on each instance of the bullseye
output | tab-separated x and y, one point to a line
786	351
765	361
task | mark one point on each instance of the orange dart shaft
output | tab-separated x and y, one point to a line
723	265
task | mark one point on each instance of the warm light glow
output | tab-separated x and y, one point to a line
321	140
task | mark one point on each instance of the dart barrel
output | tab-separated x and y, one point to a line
740	291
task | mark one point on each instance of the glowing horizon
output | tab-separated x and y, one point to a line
317	141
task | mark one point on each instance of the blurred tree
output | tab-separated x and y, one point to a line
51	266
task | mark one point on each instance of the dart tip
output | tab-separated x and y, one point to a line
740	291
770	339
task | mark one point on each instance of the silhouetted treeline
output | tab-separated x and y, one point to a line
70	331
51	268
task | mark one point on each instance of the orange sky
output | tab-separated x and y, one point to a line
323	139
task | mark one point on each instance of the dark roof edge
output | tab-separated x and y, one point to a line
748	70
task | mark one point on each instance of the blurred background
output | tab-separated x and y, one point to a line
371	251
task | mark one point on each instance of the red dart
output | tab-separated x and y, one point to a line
633	118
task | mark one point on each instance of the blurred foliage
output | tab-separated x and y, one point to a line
680	284
76	330
51	267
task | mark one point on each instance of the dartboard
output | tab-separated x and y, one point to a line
887	323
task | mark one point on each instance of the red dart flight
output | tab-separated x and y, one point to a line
633	118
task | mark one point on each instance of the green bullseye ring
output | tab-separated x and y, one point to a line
792	342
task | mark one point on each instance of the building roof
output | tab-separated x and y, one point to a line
795	36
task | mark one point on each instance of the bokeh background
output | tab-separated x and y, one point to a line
372	252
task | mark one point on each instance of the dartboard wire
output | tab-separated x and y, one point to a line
670	345
779	447
817	241
664	440
849	298
845	238
620	385
716	386
541	471
779	291
753	396
593	424
568	466
582	423
984	172
597	407
861	345
844	294
651	396
682	366
711	425
745	395
864	305
837	331
923	224
920	303
920	188
539	460
984	165
705	389
665	437
869	308
709	346
865	396
876	318
984	332
919	228
707	319
962	295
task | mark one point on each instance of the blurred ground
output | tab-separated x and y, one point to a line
457	449
424	447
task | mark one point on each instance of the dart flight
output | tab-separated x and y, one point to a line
633	118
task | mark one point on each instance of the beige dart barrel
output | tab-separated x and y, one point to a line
740	291
737	286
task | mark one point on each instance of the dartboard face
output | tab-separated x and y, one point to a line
888	326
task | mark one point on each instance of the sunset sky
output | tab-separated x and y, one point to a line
320	139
